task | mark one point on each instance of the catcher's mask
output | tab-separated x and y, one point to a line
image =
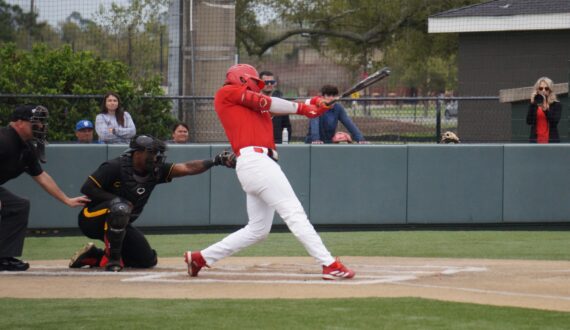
154	147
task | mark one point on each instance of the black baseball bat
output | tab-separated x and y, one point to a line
372	79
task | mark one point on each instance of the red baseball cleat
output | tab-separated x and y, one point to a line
337	271
88	255
195	262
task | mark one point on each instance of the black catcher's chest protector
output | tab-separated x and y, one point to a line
135	191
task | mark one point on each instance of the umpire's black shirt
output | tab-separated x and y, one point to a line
16	156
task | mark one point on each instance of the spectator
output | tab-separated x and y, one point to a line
84	131
544	113
113	124
179	133
323	128
279	121
21	151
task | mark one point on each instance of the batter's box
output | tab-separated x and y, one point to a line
302	274
262	273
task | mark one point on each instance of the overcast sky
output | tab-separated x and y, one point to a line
55	11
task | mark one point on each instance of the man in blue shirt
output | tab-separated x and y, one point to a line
84	131
323	128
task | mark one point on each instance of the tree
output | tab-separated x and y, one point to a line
62	71
140	26
14	22
353	31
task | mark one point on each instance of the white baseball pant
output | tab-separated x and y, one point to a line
267	190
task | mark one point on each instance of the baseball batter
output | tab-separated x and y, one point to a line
245	114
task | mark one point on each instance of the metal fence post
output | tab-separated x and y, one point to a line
438	118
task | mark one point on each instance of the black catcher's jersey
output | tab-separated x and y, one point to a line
117	177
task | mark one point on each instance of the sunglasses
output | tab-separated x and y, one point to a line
543	89
270	82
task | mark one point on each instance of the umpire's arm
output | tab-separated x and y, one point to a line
49	185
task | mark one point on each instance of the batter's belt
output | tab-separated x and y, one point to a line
262	150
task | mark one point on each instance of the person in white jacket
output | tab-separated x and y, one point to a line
113	124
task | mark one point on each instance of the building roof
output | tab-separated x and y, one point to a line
503	15
523	93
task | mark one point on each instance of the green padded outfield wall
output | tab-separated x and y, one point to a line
455	183
537	183
340	184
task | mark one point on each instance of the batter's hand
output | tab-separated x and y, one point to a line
310	111
322	102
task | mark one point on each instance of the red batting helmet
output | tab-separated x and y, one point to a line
241	74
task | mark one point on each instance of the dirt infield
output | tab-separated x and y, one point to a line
520	283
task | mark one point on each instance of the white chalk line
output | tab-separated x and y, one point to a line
257	274
496	292
366	275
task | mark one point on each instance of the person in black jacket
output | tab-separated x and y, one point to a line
544	113
279	122
21	150
119	190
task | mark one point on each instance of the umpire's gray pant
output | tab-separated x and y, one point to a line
14	213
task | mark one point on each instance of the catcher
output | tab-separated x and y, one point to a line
449	137
119	190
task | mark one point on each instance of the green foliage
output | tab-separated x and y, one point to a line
62	71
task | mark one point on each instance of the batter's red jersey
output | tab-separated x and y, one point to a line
244	127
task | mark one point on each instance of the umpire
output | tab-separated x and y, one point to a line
119	189
21	150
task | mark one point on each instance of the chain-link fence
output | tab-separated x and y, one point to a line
380	119
190	44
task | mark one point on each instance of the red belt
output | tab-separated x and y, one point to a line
262	150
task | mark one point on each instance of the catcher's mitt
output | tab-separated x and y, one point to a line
341	137
449	137
225	158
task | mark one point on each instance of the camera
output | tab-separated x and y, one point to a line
538	99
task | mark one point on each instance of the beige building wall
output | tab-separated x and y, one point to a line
208	51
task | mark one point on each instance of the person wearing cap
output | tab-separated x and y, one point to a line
119	190
21	150
84	131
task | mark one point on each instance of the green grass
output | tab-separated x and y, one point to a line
535	245
357	313
365	313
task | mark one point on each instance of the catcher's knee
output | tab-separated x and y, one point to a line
120	213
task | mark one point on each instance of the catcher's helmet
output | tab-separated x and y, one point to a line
154	146
244	74
147	142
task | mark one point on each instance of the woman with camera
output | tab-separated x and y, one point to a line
544	113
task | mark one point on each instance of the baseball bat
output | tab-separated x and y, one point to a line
372	79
